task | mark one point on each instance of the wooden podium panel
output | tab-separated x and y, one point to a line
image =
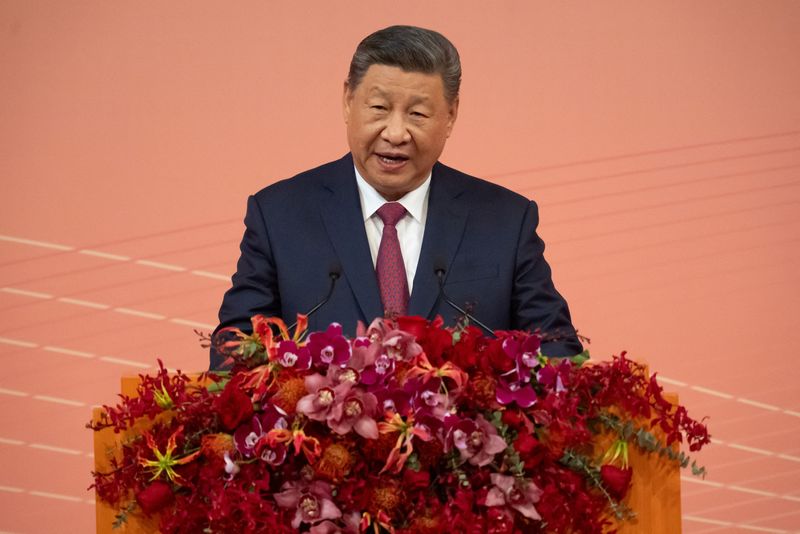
654	494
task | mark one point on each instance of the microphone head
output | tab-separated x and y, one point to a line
335	269
439	266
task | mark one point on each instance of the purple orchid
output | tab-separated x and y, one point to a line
555	377
525	354
250	438
379	372
477	441
517	391
514	386
312	502
393	400
519	494
329	347
373	362
428	397
291	356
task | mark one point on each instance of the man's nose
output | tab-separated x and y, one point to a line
395	130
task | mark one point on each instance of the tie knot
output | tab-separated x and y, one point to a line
391	212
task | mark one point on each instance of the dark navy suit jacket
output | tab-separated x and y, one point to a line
484	235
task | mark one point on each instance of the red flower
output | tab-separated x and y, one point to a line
414	325
530	450
616	480
416	479
433	339
512	418
465	352
155	497
233	406
495	360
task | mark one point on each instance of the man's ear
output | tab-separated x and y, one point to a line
453	115
347	98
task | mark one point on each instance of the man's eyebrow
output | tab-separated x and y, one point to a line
377	91
421	99
380	92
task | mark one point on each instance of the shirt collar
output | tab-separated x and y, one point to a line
413	201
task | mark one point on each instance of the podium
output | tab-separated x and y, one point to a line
654	494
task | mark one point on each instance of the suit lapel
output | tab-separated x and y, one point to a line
444	229
341	213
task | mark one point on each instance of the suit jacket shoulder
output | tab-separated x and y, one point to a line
300	185
482	190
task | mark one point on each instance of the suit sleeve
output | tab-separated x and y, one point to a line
254	286
535	303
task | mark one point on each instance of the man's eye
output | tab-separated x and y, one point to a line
378	108
418	115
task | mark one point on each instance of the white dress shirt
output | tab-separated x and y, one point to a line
410	229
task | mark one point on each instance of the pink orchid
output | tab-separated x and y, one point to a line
322	394
351	525
355	410
400	346
518	493
312	502
477	441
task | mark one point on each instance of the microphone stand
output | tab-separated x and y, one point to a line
334	275
442	295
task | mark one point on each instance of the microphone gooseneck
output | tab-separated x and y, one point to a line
440	271
334	273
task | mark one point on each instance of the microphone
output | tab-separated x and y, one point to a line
440	270
334	272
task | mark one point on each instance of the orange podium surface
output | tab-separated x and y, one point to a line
654	494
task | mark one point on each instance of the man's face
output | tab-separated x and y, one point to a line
397	125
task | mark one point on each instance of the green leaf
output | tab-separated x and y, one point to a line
646	440
580	359
698	471
413	462
216	387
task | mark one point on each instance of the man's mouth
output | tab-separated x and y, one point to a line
392	159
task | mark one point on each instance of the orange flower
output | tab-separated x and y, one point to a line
426	370
309	446
216	445
385	497
289	391
404	445
335	464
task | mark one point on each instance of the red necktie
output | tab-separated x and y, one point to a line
389	266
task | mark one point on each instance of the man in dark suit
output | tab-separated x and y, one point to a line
388	221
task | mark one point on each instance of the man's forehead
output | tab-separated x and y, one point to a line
385	80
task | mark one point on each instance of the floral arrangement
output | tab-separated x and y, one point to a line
409	427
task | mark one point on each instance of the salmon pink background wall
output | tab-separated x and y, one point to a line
661	140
